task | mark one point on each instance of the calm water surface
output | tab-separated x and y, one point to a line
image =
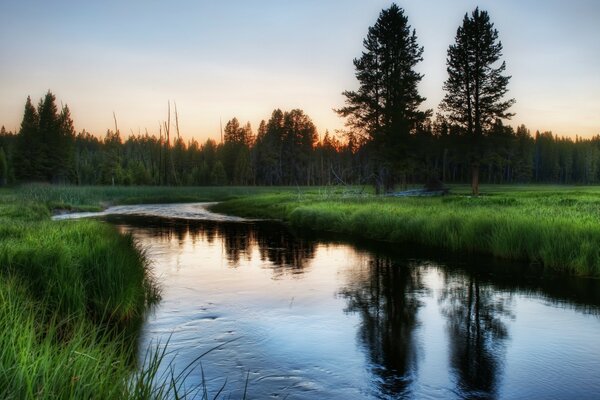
304	317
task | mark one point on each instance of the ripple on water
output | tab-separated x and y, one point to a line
188	211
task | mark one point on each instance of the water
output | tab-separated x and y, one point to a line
299	316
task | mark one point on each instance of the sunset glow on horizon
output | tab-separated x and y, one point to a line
244	59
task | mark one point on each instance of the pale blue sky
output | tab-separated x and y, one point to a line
244	58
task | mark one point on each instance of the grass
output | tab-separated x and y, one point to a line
72	295
554	226
95	198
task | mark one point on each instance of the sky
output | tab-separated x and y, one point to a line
220	59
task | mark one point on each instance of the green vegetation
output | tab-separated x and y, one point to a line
71	297
554	226
476	86
95	198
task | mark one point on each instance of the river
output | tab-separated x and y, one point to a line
296	315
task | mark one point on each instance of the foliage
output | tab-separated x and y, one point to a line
3	168
286	151
475	87
45	142
69	296
385	108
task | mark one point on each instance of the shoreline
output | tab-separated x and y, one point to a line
505	227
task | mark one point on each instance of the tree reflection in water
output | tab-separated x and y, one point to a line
286	253
386	296
477	333
399	304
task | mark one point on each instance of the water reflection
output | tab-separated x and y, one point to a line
477	333
314	317
386	296
285	252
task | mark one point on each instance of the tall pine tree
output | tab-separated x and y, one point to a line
64	166
385	108
3	168
28	144
476	85
48	153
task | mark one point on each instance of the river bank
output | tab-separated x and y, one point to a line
72	295
556	227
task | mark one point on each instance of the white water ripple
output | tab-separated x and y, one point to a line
189	211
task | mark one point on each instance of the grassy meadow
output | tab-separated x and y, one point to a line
72	294
556	226
96	198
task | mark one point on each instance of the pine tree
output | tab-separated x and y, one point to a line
48	153
3	168
476	85
299	137
385	109
64	154
218	176
28	145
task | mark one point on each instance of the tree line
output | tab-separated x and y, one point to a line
389	139
285	150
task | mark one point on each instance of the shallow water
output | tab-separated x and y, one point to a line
188	211
298	316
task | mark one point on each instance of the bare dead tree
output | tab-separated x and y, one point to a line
115	118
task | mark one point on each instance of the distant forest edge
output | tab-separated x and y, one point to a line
284	151
389	139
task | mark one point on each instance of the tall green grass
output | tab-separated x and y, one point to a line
71	295
558	228
84	267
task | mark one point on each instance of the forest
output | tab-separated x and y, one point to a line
285	150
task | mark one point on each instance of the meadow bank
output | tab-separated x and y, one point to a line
72	296
556	226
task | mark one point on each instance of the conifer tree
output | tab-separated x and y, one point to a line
64	165
476	84
28	144
3	168
385	108
49	143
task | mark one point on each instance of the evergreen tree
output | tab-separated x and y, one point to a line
3	168
49	152
385	109
218	176
299	137
64	154
269	157
476	87
237	145
27	144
